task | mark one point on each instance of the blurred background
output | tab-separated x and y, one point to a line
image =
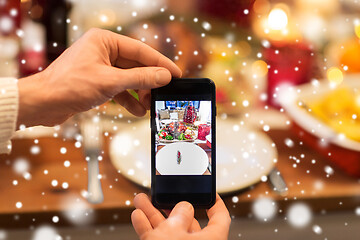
288	100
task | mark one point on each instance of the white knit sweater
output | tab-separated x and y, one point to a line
9	104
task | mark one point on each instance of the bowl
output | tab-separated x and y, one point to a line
339	149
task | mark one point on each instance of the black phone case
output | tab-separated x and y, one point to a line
182	89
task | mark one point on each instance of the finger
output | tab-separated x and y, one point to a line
140	222
135	50
126	100
219	218
181	216
145	98
218	213
142	202
126	63
218	208
195	226
140	77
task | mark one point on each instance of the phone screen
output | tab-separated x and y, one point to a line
183	142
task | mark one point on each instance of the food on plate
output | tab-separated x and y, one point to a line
350	55
177	131
340	109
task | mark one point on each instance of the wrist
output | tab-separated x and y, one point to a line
31	101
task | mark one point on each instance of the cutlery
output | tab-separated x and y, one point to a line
92	141
277	182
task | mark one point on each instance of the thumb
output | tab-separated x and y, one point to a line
142	77
181	216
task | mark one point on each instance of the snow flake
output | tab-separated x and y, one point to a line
77	211
54	183
21	166
289	142
78	144
55	219
266	128
317	229
35	150
3	234
264	209
45	232
265	43
206	26
299	215
245	103
235	199
19	205
27	176
65	185
6	24
357	211
13	12
63	150
264	178
329	170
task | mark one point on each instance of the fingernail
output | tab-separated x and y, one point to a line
181	211
162	76
185	205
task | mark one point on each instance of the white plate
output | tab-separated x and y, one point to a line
243	155
194	160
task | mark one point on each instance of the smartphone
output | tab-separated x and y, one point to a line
183	146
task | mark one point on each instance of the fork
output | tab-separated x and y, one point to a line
92	141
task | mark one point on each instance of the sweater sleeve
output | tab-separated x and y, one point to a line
9	102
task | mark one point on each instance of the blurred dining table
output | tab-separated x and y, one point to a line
41	200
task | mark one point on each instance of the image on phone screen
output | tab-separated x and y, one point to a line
183	138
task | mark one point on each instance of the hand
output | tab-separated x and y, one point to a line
150	224
100	66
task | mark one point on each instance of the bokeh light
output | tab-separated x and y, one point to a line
299	215
264	209
335	75
3	234
357	30
77	210
46	232
21	166
259	68
277	19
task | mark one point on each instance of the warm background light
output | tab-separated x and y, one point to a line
259	68
357	30
335	75
277	19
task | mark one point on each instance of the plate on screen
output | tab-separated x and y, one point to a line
181	158
243	155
